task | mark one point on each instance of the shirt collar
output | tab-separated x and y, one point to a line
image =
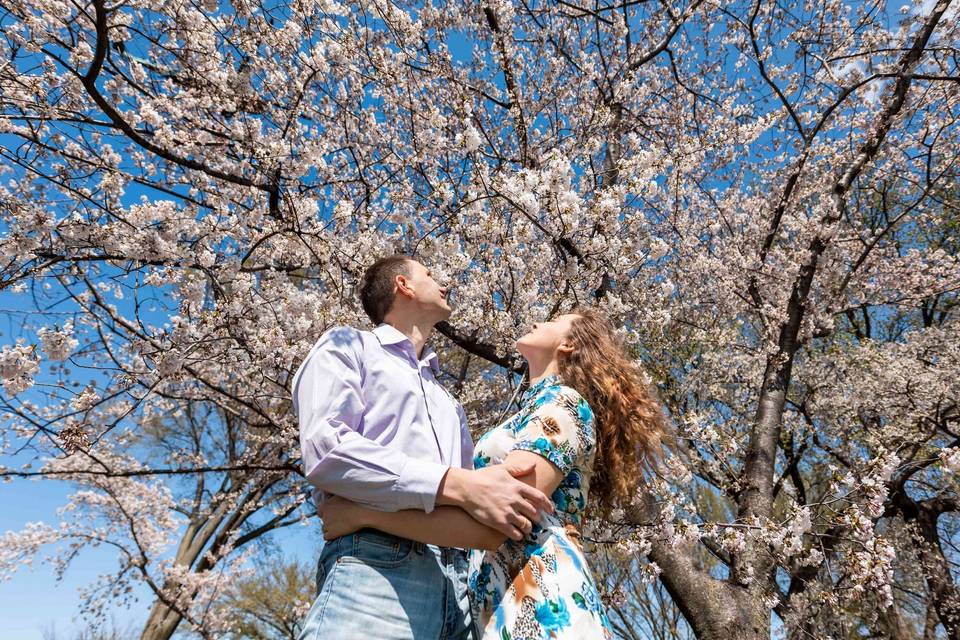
431	357
388	334
551	380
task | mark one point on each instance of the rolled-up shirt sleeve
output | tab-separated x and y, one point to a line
337	458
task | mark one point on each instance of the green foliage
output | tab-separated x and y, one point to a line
271	603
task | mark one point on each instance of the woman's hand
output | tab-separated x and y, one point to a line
340	517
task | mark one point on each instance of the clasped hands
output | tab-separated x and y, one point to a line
494	496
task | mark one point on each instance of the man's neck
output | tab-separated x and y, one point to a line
418	331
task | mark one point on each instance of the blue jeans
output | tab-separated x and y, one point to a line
375	585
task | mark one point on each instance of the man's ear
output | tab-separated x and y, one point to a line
402	286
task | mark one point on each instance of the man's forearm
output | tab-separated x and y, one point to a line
444	526
454	488
495	497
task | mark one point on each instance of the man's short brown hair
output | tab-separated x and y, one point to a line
376	287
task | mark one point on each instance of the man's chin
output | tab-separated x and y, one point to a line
443	314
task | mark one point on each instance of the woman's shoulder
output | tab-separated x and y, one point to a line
566	393
552	389
573	401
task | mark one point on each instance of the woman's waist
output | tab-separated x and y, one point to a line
552	525
546	542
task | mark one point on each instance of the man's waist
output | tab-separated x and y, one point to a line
375	536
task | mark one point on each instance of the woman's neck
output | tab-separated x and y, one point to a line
540	370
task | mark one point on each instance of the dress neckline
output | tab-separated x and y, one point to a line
552	380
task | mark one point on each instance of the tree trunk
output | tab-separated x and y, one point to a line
161	623
920	517
714	609
890	623
931	622
943	590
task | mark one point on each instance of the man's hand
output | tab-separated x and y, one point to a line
340	517
493	496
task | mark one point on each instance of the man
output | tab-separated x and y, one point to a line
377	428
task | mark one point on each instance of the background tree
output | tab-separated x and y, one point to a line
271	603
637	604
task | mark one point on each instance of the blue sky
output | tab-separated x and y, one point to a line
34	601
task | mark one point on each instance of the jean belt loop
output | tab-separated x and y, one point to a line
419	547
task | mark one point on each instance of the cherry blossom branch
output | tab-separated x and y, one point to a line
89	80
291	467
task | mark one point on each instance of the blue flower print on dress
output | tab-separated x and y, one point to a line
553	616
588	599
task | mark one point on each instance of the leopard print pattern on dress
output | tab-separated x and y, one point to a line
550	426
526	627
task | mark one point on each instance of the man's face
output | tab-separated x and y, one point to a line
428	293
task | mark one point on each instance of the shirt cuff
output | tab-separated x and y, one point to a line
418	484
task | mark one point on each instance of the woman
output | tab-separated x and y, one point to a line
590	425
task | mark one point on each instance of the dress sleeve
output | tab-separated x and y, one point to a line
561	430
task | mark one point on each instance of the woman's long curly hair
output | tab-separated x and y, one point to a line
630	425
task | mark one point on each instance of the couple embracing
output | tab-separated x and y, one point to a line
431	538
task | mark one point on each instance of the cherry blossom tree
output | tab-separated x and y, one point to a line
763	194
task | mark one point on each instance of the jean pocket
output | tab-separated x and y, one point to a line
321	575
377	549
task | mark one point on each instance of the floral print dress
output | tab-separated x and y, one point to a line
541	587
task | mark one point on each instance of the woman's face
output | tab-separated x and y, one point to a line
545	338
